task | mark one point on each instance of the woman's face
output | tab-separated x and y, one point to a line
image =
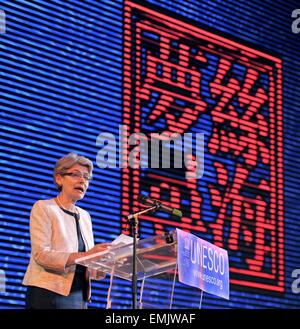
74	182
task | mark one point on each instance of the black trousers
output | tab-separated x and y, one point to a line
40	298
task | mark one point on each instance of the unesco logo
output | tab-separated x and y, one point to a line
296	23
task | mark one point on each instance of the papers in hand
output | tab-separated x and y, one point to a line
122	240
122	246
119	248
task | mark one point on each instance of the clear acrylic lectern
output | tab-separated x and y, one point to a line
158	286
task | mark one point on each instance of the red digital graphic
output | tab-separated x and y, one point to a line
179	78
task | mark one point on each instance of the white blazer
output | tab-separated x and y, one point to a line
53	238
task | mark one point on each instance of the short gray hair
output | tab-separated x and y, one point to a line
66	162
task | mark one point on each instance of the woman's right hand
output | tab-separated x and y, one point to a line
98	248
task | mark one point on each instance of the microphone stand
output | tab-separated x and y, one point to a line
133	219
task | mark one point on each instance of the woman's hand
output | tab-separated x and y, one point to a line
93	273
98	248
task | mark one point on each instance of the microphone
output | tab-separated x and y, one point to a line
160	206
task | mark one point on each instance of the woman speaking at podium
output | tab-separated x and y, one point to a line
61	232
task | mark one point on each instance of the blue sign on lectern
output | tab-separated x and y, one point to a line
202	264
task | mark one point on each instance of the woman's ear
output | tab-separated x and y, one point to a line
58	180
